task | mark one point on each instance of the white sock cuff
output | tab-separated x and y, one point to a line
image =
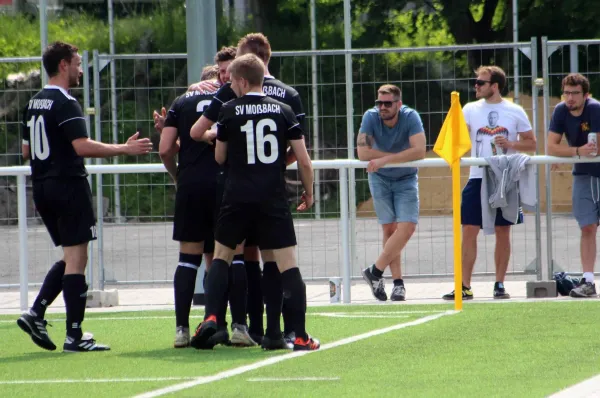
188	265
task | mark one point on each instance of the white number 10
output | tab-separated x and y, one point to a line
38	140
261	141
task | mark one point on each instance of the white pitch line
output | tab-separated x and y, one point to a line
280	358
125	380
278	379
334	315
589	388
365	314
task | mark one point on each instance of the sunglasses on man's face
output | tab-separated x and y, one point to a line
386	104
479	82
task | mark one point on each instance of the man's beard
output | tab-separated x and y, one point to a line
387	117
484	95
73	81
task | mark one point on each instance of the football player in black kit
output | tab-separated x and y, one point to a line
253	133
56	140
195	178
258	44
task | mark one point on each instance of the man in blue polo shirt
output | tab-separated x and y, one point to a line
391	133
576	117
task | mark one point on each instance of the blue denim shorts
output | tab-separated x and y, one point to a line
395	200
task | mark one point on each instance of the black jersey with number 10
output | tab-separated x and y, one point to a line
256	129
52	119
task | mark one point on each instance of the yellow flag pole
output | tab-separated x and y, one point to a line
458	301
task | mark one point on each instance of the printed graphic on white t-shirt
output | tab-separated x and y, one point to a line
486	121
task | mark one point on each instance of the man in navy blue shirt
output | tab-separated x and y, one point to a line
576	117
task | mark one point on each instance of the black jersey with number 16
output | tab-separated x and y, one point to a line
52	120
256	129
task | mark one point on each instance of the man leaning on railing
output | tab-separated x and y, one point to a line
391	133
578	117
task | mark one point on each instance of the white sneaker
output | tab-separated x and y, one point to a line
240	336
182	337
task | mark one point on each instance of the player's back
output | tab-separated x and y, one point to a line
196	159
256	129
280	91
272	87
52	119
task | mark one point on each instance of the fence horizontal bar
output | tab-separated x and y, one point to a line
577	42
20	59
354	51
317	164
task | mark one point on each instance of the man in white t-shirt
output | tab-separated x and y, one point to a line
496	127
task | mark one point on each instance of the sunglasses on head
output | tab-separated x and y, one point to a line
479	82
386	104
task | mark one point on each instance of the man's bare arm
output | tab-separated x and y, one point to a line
556	149
199	129
168	149
415	152
364	147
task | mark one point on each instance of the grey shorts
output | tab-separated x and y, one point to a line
586	198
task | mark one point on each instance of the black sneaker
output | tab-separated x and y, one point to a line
310	344
376	284
276	344
221	336
85	344
500	292
204	332
467	294
256	337
36	328
398	293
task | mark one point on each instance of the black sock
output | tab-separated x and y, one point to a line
222	310
184	284
288	324
50	290
238	290
254	305
398	282
75	295
294	291
216	287
376	272
273	290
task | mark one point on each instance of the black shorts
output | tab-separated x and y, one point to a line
194	214
470	207
65	205
251	239
271	224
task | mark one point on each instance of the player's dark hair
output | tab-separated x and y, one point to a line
225	54
257	44
55	53
248	67
576	79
